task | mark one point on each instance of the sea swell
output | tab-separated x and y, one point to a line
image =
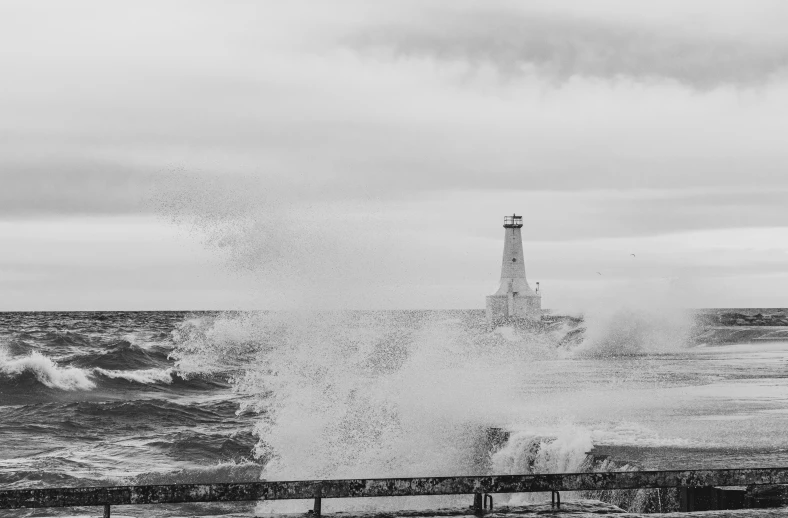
35	372
148	412
123	355
65	339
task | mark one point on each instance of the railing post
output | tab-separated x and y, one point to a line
477	503
555	499
318	501
684	497
106	510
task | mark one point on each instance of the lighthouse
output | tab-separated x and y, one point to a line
514	298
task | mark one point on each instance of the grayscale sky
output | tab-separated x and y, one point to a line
356	154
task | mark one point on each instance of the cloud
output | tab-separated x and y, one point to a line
555	216
302	121
79	187
102	262
288	93
559	46
323	248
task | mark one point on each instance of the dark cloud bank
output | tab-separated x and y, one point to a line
560	47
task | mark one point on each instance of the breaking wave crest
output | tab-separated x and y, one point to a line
526	453
145	376
46	372
26	372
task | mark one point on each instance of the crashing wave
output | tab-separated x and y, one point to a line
526	453
38	368
46	372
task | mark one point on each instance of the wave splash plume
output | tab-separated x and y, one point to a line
348	394
361	394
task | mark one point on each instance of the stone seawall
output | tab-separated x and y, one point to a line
712	326
719	327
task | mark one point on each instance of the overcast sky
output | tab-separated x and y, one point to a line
356	154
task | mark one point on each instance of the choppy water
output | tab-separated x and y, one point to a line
158	397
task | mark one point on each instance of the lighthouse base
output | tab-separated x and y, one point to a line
512	305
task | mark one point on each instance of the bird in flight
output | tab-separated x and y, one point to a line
633	255
599	273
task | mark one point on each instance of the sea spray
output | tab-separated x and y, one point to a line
318	254
631	332
633	319
375	394
388	394
348	394
526	453
342	363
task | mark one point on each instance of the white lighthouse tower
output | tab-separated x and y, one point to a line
514	298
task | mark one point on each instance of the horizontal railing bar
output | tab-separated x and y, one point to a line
381	487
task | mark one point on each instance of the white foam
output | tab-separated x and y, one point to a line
634	434
632	330
638	318
526	452
228	472
47	372
146	376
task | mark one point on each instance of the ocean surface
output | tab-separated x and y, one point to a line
164	397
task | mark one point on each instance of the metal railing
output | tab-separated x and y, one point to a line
386	487
513	221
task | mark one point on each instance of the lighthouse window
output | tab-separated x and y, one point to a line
514	259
